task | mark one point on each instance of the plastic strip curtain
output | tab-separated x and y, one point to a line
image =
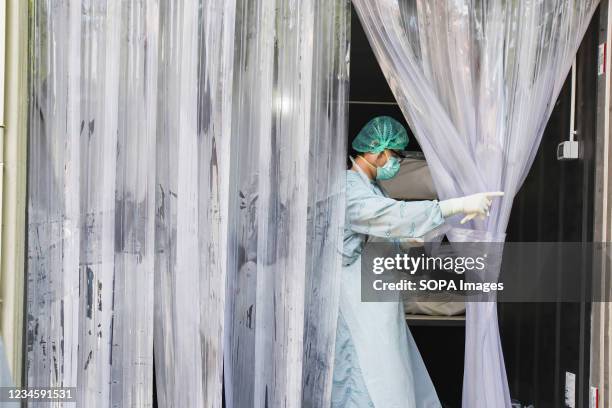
193	169
477	81
291	74
91	199
199	145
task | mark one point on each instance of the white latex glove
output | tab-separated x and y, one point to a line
472	205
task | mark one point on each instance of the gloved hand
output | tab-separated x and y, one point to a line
471	206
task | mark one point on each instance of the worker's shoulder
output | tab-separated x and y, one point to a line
352	174
356	185
353	178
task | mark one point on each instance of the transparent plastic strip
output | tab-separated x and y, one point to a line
91	200
193	166
286	202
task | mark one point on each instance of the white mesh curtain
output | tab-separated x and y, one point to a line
477	81
185	199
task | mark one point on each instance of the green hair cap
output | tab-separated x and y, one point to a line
380	133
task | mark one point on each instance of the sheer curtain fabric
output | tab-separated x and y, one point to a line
477	81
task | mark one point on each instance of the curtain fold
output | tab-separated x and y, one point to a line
477	81
186	199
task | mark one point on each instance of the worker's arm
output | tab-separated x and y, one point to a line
375	215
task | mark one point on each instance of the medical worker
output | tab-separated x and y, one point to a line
377	363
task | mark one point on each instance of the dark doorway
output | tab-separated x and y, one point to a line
441	345
541	341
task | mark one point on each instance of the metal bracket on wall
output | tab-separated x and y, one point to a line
570	149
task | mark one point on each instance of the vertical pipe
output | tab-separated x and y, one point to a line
3	56
2	96
13	155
